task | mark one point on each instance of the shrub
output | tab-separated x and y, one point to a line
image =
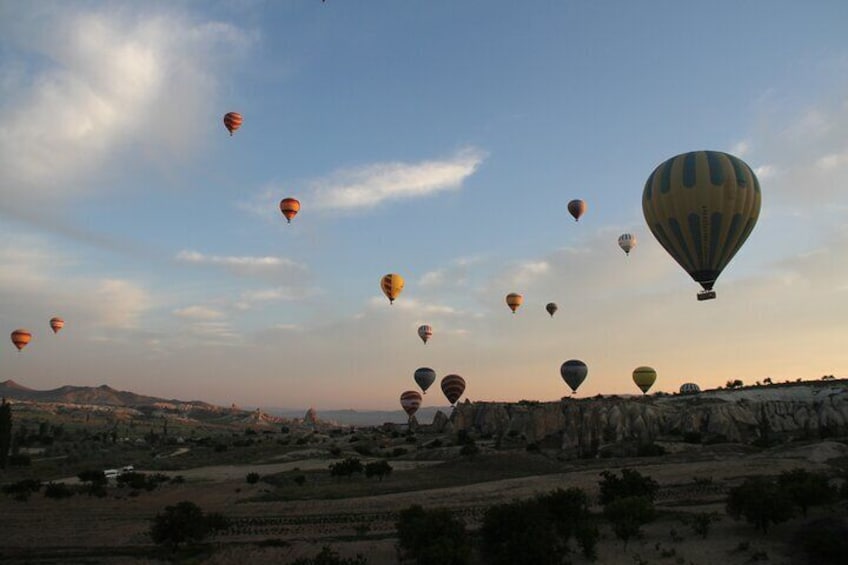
806	489
58	491
825	540
378	469
184	523
299	480
760	501
399	451
346	468
24	486
650	450
433	537
632	483
628	514
329	557
252	478
692	437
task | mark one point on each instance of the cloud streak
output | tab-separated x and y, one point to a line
243	265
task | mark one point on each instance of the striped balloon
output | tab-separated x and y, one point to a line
424	377
576	208
289	207
21	338
573	372
453	386
232	121
391	284
514	300
701	206
425	332
410	401
644	377
56	324
627	242
689	388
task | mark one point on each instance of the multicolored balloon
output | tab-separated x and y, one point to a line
232	121
689	388
551	307
424	377
56	324
514	300
391	284
573	372
627	242
410	401
644	377
453	386
289	207
425	332
702	206
21	338
576	208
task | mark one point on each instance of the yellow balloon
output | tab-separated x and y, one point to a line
644	378
514	300
392	284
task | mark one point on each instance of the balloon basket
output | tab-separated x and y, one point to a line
706	295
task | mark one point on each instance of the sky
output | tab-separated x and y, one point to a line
441	140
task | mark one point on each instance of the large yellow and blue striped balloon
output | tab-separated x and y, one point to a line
701	206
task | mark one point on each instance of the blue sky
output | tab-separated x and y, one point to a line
441	140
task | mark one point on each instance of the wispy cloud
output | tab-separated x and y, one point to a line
243	265
198	313
371	185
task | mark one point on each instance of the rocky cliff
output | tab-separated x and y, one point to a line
582	427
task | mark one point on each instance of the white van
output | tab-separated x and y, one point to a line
111	473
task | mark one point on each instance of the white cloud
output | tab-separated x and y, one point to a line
368	186
120	303
198	313
85	84
243	265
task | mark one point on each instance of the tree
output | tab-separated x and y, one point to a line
184	523
378	469
5	432
631	483
760	501
329	557
433	537
627	516
806	489
346	467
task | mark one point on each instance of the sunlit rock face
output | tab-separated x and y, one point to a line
582	427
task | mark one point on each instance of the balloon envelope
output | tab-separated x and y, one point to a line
644	378
391	284
232	121
551	307
424	377
701	206
453	386
573	372
425	332
627	242
576	208
514	300
56	324
410	401
21	338
689	388
289	207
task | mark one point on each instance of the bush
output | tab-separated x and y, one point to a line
93	476
329	557
299	480
628	514
252	478
692	437
650	450
760	501
346	468
25	486
58	491
806	489
378	469
825	540
632	483
433	537
184	523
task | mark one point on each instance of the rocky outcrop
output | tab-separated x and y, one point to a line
583	426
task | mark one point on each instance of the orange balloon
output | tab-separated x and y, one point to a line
514	300
21	338
56	324
232	121
289	207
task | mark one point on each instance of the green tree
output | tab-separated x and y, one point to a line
806	489
627	516
346	467
184	523
761	502
631	483
378	469
5	432
433	537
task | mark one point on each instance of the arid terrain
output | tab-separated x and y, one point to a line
296	507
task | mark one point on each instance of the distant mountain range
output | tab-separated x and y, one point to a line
104	395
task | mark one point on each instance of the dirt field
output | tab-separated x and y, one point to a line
113	529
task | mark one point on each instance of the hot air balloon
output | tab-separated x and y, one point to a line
21	338
392	284
56	324
289	207
701	206
689	388
453	386
514	300
410	401
425	332
551	307
576	208
232	121
644	378
573	372
424	377
627	242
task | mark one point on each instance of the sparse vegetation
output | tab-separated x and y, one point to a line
433	537
184	523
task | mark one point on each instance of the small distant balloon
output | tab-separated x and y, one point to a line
424	377
576	208
627	242
232	121
689	388
453	386
425	332
410	401
289	207
56	324
514	300
644	378
21	338
551	307
391	284
573	372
